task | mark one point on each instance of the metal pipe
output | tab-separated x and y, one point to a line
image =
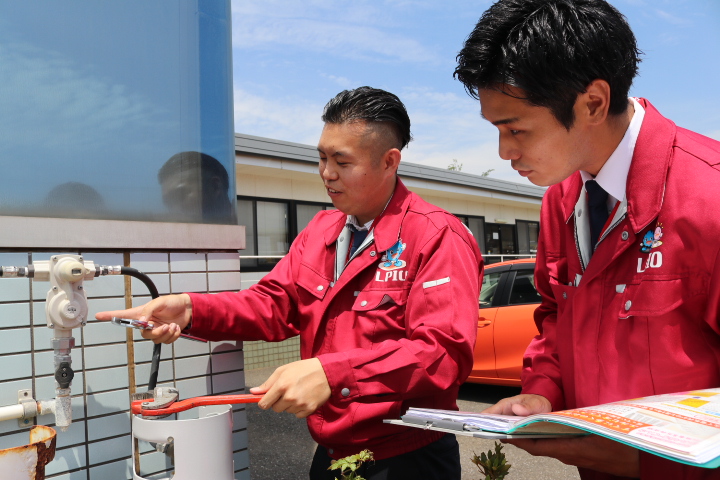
12	412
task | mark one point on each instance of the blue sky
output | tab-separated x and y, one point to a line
290	58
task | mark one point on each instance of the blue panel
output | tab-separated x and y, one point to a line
99	96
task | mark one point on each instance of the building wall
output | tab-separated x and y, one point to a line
98	443
272	183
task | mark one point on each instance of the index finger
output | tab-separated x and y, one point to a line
132	313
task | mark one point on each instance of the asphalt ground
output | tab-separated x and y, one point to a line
281	447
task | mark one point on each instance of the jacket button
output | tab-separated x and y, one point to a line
628	304
580	213
363	303
345	392
565	295
342	239
320	288
331	451
372	254
625	235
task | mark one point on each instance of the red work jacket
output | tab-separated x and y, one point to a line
388	337
643	318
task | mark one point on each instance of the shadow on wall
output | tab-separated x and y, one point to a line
74	200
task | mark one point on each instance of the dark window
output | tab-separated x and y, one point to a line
523	289
271	225
499	238
527	234
477	227
266	231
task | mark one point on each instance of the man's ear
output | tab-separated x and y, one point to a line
391	159
593	105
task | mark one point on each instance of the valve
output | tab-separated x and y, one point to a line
64	375
66	304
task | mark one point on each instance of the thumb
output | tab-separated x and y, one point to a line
531	405
148	310
266	385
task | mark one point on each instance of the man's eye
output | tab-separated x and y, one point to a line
342	164
514	132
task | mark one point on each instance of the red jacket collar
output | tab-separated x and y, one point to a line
648	171
386	228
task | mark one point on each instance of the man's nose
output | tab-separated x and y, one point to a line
508	149
327	172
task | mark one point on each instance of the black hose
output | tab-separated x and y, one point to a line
155	365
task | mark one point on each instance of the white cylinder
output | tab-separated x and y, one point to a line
203	446
11	412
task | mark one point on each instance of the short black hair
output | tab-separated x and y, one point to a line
551	49
208	166
373	106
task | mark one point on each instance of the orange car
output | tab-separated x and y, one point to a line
505	322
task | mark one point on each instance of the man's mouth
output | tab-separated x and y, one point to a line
523	172
330	190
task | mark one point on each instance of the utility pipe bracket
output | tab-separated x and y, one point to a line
30	410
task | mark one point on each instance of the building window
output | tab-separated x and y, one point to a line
477	227
271	225
527	235
499	239
266	232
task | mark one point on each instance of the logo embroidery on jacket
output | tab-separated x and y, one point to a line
651	240
392	264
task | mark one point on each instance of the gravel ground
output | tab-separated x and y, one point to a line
281	447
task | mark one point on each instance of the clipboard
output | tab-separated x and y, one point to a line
457	428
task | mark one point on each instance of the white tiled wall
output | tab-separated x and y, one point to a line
98	443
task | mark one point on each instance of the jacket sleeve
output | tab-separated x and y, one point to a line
266	311
440	328
541	369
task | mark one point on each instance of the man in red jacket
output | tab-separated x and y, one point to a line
383	293
628	261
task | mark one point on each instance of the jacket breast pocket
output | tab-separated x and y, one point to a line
380	315
651	297
312	283
373	299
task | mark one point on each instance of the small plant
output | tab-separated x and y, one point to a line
493	464
349	465
455	166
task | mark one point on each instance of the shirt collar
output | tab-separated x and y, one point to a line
612	177
353	221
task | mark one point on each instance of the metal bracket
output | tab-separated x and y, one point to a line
25	398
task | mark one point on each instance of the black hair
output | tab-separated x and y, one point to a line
373	106
552	50
209	177
208	166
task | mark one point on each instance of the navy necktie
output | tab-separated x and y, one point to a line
597	209
358	237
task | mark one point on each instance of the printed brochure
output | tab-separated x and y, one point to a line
684	427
